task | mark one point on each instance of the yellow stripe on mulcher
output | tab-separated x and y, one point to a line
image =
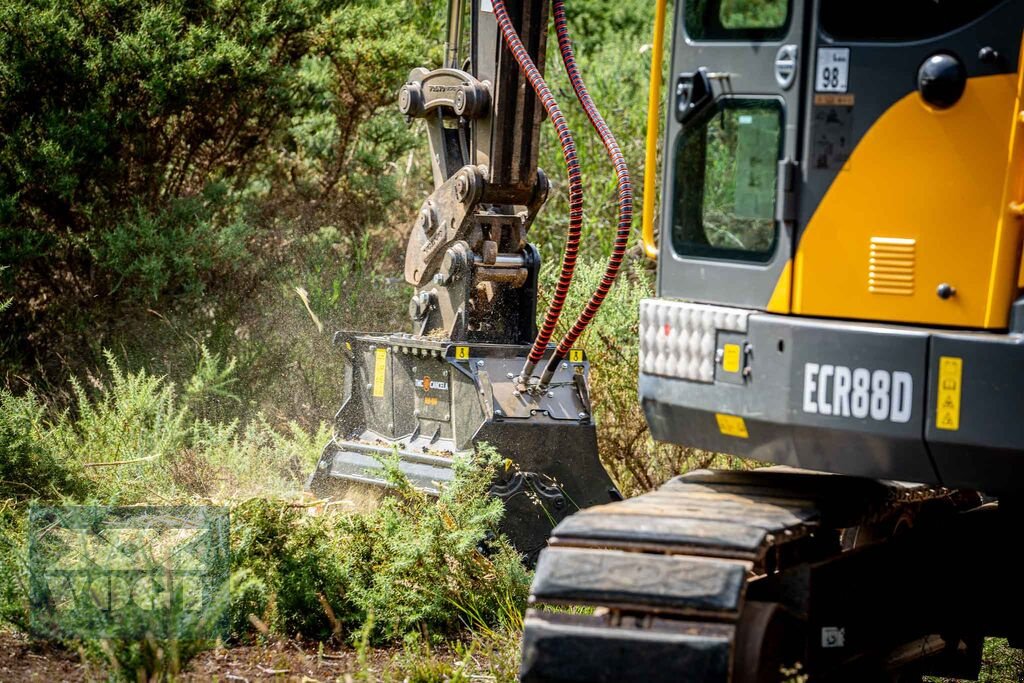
947	406
380	372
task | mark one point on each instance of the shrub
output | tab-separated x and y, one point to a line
160	151
413	565
415	562
29	466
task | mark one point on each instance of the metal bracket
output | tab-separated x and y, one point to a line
427	91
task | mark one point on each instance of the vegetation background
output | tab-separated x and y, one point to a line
184	184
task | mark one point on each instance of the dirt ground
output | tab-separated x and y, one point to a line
22	660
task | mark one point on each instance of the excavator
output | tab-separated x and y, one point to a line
839	297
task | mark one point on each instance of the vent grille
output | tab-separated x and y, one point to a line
891	266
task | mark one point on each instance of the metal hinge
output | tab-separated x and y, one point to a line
785	205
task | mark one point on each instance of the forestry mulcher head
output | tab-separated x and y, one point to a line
431	400
466	373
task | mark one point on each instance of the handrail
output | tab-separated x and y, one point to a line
653	106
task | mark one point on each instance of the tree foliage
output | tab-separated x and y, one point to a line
157	150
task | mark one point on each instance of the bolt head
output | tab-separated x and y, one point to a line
499	412
479	363
551	394
582	416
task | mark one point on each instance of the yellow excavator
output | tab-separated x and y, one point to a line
839	294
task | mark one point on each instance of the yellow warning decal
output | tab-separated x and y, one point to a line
461	352
732	425
731	358
947	407
575	355
380	372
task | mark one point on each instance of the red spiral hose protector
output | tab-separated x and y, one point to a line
622	180
572	164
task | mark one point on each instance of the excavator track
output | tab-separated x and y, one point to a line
719	576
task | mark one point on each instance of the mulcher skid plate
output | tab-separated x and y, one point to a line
429	400
738	576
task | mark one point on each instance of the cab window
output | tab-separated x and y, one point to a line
736	19
725	181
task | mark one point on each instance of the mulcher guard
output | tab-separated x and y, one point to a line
429	400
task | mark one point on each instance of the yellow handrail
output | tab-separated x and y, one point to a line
651	158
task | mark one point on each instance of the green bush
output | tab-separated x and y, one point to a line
410	566
134	437
30	467
177	152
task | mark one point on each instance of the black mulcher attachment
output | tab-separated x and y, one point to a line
433	399
466	372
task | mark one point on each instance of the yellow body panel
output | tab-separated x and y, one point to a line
918	204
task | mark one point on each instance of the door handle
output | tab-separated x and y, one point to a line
693	93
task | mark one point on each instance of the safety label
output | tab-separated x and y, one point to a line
732	425
947	405
380	372
461	352
731	358
575	355
832	132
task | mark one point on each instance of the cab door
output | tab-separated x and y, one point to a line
734	111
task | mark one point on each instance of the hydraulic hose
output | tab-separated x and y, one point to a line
625	191
572	164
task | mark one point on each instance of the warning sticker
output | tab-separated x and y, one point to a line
731	358
461	352
947	405
380	372
732	425
575	355
831	134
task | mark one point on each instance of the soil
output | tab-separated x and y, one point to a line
24	660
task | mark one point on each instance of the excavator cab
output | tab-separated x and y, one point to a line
839	263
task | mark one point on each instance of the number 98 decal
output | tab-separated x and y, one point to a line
833	70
